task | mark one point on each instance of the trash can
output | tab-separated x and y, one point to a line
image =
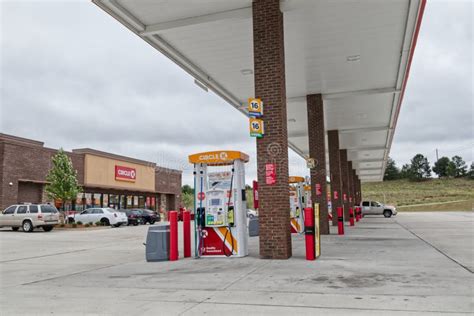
253	226
158	243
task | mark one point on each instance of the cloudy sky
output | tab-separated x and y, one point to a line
73	77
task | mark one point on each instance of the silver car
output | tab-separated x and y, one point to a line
29	217
377	208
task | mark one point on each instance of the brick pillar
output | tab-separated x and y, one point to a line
317	151
272	148
350	185
345	182
359	185
354	187
335	170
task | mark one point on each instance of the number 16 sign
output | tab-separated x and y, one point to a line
256	127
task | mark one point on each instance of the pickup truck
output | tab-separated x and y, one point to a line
377	208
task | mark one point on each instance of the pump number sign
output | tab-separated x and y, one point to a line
255	107
256	127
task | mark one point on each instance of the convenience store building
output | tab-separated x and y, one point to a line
107	180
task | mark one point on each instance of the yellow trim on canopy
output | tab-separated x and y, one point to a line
218	157
295	179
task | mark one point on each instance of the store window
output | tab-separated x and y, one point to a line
113	201
105	200
141	202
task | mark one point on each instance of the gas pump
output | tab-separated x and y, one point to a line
219	204
307	196
297	204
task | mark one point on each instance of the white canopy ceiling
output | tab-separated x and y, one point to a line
356	53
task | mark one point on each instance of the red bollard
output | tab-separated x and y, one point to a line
351	216
357	213
173	218
187	233
340	221
309	233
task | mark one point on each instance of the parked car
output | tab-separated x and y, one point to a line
107	216
134	217
29	217
251	213
149	216
377	208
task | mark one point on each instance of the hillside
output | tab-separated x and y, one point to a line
434	194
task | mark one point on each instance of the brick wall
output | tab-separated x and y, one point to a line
269	65
335	169
23	161
317	150
350	184
345	182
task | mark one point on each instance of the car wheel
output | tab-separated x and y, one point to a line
27	226
70	220
251	216
152	222
48	228
105	221
136	223
387	213
15	228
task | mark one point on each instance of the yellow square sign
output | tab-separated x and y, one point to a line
255	107
256	127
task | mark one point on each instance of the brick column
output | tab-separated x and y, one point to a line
359	186
317	151
354	187
335	170
350	195
345	182
272	148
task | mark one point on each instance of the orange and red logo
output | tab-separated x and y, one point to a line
125	173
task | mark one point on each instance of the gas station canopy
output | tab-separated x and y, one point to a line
356	53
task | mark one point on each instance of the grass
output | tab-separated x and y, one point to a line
437	194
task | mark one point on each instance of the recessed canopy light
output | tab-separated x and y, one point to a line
246	72
366	155
364	139
353	58
361	116
292	120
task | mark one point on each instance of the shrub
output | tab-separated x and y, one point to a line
74	225
98	223
79	223
61	225
87	225
91	224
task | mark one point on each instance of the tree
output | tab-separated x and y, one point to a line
460	167
62	178
405	171
419	168
451	170
470	174
391	171
186	189
441	167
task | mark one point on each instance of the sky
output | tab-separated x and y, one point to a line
74	77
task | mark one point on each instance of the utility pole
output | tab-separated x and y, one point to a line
437	154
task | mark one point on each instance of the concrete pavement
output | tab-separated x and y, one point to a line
415	263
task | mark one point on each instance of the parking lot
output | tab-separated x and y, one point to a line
415	263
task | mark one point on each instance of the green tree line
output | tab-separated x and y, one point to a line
419	169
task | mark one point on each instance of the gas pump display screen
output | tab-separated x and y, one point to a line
215	202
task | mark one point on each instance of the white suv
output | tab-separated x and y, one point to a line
377	208
29	217
107	216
